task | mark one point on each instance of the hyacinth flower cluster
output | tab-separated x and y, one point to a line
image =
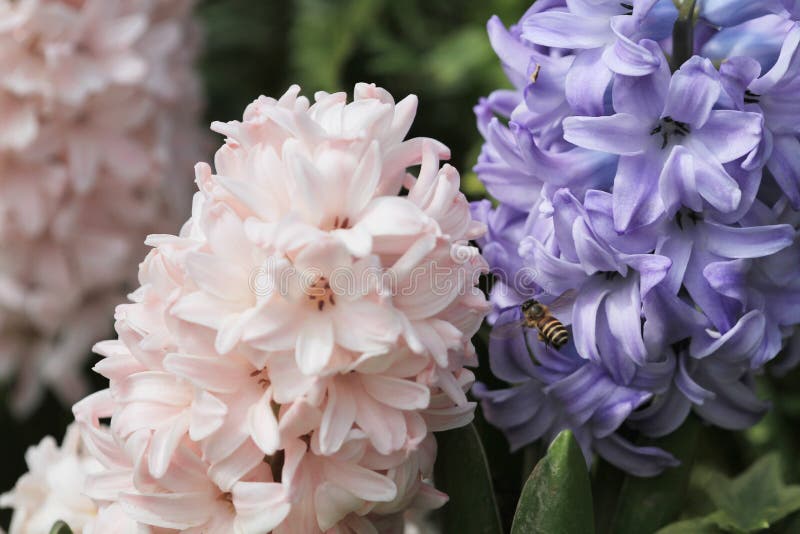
99	104
288	355
646	170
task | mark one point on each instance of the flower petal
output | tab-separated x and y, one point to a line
618	134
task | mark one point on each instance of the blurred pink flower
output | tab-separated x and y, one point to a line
53	487
99	102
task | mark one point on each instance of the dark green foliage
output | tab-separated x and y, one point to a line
751	502
60	528
646	504
463	473
557	496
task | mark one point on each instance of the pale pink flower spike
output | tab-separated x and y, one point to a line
290	353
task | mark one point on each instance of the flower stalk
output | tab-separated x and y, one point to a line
683	33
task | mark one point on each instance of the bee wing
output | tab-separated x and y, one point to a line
562	306
507	330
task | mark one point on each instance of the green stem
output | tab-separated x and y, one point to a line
683	33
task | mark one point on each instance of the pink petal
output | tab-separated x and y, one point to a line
333	504
164	442
314	345
338	417
263	426
260	507
168	510
216	374
363	483
396	392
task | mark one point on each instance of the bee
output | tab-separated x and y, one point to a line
539	317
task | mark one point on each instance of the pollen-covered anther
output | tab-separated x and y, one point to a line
669	126
263	381
321	293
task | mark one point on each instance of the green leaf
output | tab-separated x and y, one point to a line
753	501
557	496
60	528
758	497
647	504
462	472
703	525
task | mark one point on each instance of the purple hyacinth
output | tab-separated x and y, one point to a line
653	207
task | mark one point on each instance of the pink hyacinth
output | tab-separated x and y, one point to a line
290	353
53	489
99	104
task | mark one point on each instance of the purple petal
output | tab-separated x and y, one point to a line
511	51
678	247
503	101
616	361
677	185
752	242
784	164
509	407
600	208
714	184
693	391
655	376
624	310
729	278
652	269
528	432
635	201
586	83
669	319
642	96
664	415
655	18
720	310
575	168
616	409
736	407
593	255
560	29
628	58
509	359
735	12
781	67
593	8
566	211
554	275
584	318
618	134
736	75
693	91
582	392
639	461
729	134
736	344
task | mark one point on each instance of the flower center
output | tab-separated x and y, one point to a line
751	98
669	126
339	223
693	217
227	499
320	293
263	381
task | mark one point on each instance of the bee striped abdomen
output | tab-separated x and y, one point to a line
553	331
